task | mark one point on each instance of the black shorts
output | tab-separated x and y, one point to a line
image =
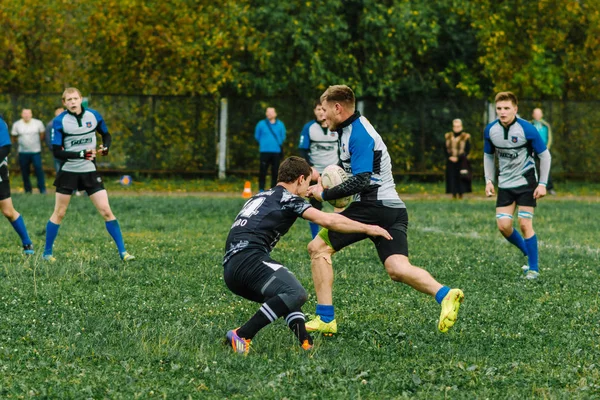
4	183
395	220
255	276
523	195
67	182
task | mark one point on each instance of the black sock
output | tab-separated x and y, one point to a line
295	321
268	312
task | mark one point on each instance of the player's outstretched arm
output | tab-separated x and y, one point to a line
339	223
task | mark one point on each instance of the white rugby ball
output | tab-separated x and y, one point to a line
332	176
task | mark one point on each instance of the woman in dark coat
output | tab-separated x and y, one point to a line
458	170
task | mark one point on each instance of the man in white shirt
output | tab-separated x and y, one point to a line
30	133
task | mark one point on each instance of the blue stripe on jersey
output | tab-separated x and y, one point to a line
57	127
361	148
304	142
4	135
533	136
101	128
488	147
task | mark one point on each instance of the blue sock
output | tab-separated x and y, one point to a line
325	312
439	296
532	251
51	232
115	231
314	229
516	239
19	226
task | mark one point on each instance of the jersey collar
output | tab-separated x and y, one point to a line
347	122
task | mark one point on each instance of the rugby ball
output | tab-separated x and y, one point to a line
332	176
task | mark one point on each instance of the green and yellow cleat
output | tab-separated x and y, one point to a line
326	328
450	306
127	257
49	258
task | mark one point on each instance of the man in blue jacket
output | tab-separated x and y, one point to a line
270	135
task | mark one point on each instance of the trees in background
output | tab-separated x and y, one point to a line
385	49
417	64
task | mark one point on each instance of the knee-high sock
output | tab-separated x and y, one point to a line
268	312
19	226
516	239
51	232
296	323
532	252
114	230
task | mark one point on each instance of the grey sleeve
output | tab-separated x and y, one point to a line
545	161
489	167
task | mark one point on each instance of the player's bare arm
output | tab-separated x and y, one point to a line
339	223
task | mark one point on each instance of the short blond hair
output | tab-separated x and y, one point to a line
70	90
339	94
507	96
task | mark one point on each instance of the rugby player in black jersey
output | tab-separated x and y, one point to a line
249	270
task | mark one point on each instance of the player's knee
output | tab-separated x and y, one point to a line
295	297
59	214
9	212
316	246
106	214
397	267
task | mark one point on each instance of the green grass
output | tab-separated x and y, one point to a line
90	326
232	185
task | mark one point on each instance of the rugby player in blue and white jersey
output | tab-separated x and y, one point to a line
74	142
363	154
514	141
6	204
319	147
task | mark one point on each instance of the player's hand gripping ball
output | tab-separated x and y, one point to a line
126	180
332	176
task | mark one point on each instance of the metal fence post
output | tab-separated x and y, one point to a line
223	139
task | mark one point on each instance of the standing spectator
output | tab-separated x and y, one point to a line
270	135
30	133
48	136
319	147
458	170
545	132
6	204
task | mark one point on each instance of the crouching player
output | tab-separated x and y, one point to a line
250	272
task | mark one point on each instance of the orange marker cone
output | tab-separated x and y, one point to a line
247	193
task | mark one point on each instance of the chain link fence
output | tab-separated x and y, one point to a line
179	135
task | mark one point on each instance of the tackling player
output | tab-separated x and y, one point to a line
364	155
6	204
319	147
74	142
249	270
514	140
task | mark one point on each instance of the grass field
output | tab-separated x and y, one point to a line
90	326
